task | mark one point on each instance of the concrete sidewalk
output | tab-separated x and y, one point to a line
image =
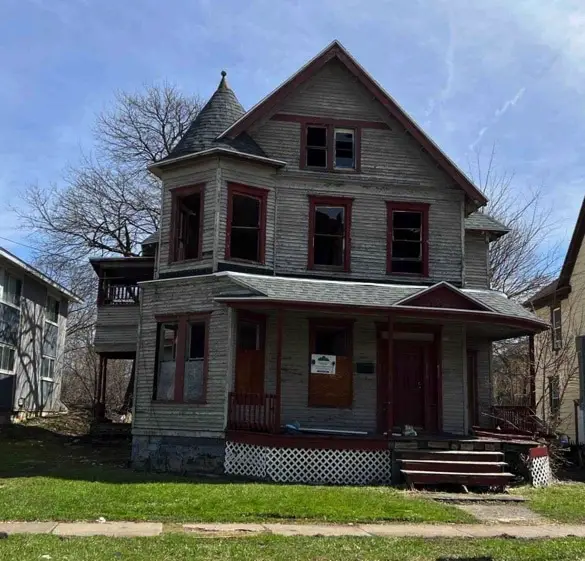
148	529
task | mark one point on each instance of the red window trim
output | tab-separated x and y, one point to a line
256	193
423	208
318	200
183	321
176	194
330	125
314	324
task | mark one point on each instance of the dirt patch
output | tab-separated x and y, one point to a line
502	513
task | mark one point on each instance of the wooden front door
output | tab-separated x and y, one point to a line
472	400
410	364
250	353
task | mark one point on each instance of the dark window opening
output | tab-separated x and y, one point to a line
331	341
329	240
344	149
188	227
248	336
246	228
557	332
317	147
52	309
197	341
407	242
193	383
554	388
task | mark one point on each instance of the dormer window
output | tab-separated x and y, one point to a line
328	147
187	223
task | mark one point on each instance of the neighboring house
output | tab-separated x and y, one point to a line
559	367
33	324
298	239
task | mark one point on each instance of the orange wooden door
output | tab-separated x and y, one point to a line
250	353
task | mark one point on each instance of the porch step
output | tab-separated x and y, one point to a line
416	477
456	466
451	455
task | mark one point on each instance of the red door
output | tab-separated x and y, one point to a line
410	363
250	351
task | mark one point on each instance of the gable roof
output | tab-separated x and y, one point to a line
575	245
221	111
336	50
39	276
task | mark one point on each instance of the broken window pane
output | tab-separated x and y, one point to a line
331	341
344	149
197	341
245	228
407	254
189	222
329	241
317	147
165	387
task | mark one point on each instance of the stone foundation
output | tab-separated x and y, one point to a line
178	454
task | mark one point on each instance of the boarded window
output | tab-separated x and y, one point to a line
344	148
187	222
7	358
332	390
407	238
557	333
317	147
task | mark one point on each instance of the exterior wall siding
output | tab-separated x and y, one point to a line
116	328
476	260
454	367
484	382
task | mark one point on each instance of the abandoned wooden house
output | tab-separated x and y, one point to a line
316	304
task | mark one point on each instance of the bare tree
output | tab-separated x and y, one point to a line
524	260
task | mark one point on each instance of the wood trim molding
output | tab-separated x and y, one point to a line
256	193
423	208
317	200
342	123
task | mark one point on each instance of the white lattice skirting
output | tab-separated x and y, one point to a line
297	465
539	464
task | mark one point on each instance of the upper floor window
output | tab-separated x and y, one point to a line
246	223
329	147
557	333
7	355
52	310
407	238
10	288
329	233
187	223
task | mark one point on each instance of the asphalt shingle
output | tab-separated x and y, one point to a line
485	223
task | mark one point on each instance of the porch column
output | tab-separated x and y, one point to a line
390	390
532	372
279	322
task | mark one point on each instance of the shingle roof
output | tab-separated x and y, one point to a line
485	223
222	110
153	238
359	294
544	292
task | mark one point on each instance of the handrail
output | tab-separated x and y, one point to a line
253	412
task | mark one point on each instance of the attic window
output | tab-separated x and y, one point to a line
407	238
344	149
187	223
317	147
328	147
246	228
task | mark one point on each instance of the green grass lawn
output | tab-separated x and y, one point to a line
178	547
44	476
563	503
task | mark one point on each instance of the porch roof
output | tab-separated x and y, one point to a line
493	306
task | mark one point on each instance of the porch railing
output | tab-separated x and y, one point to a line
116	294
253	412
516	417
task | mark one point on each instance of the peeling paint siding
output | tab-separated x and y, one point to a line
203	172
476	260
454	398
368	229
116	328
182	296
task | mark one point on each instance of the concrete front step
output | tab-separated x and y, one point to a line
452	466
451	455
421	477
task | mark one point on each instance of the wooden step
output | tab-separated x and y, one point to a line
452	466
451	455
462	478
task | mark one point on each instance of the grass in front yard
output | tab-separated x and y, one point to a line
564	502
178	547
47	477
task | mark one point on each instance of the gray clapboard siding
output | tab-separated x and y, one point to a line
182	296
116	328
484	385
476	260
454	398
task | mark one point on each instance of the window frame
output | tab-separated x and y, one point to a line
259	194
314	325
183	321
423	208
556	330
178	193
58	302
13	348
320	200
331	125
53	360
4	272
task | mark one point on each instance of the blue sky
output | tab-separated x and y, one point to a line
471	73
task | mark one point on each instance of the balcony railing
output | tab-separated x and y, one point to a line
516	417
115	294
253	412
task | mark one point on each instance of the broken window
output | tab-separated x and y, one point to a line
165	387
407	239
331	341
317	147
344	149
247	219
193	387
187	223
331	224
